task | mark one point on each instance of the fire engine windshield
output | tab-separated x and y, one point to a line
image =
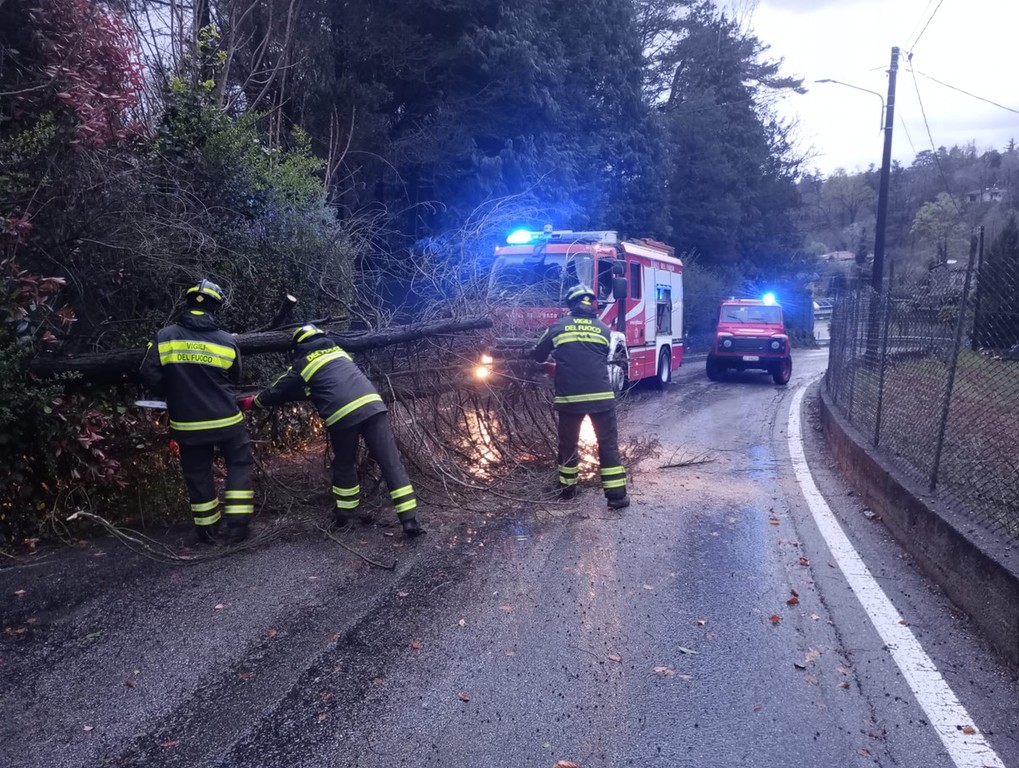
538	281
756	314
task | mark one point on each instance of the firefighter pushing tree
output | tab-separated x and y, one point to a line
351	409
195	365
579	344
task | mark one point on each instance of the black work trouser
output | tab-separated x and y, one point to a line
613	474
378	438
239	498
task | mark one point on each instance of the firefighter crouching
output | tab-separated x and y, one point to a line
351	408
194	366
579	343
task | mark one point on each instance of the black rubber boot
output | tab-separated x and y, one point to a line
207	534
568	492
412	528
619	503
235	534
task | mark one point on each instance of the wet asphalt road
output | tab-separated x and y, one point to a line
644	638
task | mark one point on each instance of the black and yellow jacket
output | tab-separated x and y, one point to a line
579	344
194	365
325	374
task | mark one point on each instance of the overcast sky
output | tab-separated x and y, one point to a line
969	44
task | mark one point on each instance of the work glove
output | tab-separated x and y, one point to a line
246	403
175	448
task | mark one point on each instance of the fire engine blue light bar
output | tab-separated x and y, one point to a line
768	298
520	237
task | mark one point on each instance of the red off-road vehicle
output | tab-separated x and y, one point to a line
750	335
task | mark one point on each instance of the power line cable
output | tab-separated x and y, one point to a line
934	149
917	22
905	128
964	91
929	20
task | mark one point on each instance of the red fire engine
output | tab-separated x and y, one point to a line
639	290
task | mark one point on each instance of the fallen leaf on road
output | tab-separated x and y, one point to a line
506	607
88	728
31	620
131	682
244	674
327	695
333	637
19	592
969	730
173	743
842	684
648	586
812	654
804	562
863	752
810	679
402	595
463	696
773	521
416	645
614	657
322	716
774	618
378	681
903	622
663	671
701	622
219	607
565	764
815	617
793	601
688	650
314	578
271	632
757	707
799	665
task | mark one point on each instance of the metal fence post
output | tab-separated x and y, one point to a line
954	364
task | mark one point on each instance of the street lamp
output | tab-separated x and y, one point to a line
865	90
877	274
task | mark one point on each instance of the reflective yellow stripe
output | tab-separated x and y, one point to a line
238	509
205	506
239	494
341	504
208	520
194	426
353	406
401	491
613	471
563	470
407	506
346	491
584	398
567	480
621	483
564	338
318	362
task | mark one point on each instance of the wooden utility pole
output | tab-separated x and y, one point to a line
886	166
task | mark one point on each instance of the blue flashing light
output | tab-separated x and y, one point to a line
520	237
769	299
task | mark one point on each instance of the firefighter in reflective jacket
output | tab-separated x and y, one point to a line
579	344
194	365
351	409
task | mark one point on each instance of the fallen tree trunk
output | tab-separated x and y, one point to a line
121	365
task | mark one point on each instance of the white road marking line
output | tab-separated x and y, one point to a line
944	711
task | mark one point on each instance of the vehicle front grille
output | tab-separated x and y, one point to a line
751	346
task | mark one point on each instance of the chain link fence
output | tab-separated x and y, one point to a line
930	375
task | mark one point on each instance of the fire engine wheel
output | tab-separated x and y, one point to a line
664	376
617	374
782	371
